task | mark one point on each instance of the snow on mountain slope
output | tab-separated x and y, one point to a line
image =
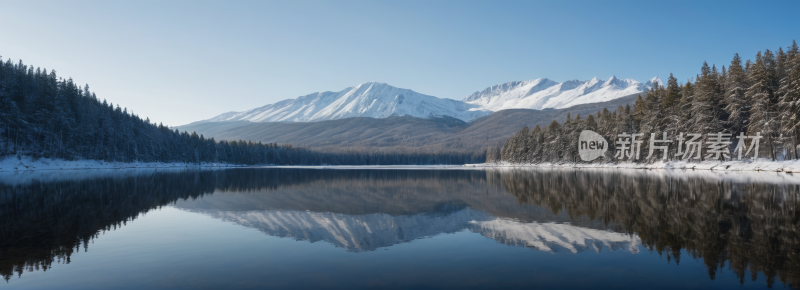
543	93
361	233
379	100
654	80
372	99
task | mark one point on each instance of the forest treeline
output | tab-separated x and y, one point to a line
43	115
748	96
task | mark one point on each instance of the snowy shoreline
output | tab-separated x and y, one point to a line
787	166
27	163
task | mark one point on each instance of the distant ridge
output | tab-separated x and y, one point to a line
371	99
379	100
399	132
546	94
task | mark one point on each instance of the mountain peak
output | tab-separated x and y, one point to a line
380	100
369	99
372	83
544	94
650	83
611	81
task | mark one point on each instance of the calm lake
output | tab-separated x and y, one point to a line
312	228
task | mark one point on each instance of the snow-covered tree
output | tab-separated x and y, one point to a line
763	116
737	105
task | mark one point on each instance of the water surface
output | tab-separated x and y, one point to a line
398	228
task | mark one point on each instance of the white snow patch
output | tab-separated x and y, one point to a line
379	100
770	171
543	93
23	163
371	99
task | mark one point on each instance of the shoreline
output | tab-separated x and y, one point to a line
760	165
27	163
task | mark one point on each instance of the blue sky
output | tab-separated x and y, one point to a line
182	61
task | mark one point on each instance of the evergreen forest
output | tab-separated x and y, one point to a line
45	116
760	96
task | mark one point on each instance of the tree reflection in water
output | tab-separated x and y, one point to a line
748	221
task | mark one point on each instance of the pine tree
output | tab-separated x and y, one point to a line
737	105
652	113
706	112
684	113
789	95
672	96
762	115
12	122
671	101
591	124
639	109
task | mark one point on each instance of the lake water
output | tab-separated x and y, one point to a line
315	228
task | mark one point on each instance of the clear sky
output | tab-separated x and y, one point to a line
182	61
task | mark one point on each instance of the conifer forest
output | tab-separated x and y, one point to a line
754	97
45	116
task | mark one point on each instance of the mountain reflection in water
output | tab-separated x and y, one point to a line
747	221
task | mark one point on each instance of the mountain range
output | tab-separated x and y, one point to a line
379	100
546	94
400	132
371	99
379	116
363	233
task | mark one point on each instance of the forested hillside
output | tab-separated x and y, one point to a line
758	96
43	115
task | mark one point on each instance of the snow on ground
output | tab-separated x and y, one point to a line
23	163
788	166
25	170
760	171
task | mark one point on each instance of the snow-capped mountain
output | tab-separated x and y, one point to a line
379	100
372	99
650	83
544	93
